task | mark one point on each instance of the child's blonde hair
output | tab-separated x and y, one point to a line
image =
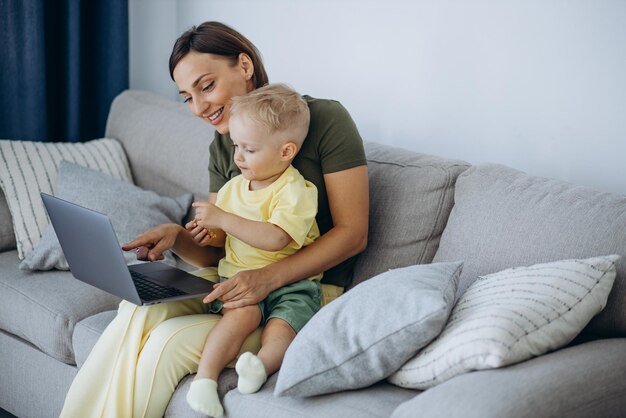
277	108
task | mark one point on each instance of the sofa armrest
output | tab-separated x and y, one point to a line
588	380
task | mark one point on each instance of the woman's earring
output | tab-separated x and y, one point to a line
249	76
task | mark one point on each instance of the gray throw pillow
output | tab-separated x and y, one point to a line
370	332
132	211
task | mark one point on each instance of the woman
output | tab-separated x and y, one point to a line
145	351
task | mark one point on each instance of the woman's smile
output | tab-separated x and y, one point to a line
215	117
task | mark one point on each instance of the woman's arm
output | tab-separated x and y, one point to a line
348	197
154	242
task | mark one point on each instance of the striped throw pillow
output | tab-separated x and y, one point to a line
511	316
28	168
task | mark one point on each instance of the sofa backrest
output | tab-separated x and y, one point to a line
166	145
411	195
505	218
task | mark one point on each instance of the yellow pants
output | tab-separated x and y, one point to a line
141	356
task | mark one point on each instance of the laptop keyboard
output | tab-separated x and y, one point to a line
149	290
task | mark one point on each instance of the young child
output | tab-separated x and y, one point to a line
261	216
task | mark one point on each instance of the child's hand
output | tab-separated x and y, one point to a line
200	235
208	215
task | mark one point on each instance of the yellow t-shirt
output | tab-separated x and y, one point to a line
289	203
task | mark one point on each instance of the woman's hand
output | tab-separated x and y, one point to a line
151	245
244	288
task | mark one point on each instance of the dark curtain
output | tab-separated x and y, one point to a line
62	63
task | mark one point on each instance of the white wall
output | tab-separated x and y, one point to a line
539	85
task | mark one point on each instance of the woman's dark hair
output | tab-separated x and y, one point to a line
219	39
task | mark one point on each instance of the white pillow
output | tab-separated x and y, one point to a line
28	168
510	316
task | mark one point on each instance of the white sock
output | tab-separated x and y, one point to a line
202	397
251	373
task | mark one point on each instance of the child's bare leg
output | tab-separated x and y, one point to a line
221	347
253	370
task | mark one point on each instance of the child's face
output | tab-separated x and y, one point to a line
257	154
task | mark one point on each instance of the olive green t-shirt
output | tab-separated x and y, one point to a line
332	144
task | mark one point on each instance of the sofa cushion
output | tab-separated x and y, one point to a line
378	400
87	332
27	168
507	317
504	218
43	307
368	333
576	382
131	209
411	196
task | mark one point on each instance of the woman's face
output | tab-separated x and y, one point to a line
208	82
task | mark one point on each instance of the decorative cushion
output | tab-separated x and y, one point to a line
368	333
510	316
504	218
131	210
27	168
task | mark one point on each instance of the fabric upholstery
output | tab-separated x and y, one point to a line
33	384
576	382
368	333
87	332
411	196
504	218
43	307
376	401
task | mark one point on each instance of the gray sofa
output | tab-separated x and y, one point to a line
423	208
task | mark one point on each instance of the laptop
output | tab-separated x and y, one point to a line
95	257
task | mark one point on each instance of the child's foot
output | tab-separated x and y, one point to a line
202	397
251	373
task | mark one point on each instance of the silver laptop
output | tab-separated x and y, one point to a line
95	256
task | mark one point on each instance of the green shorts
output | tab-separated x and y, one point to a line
294	303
